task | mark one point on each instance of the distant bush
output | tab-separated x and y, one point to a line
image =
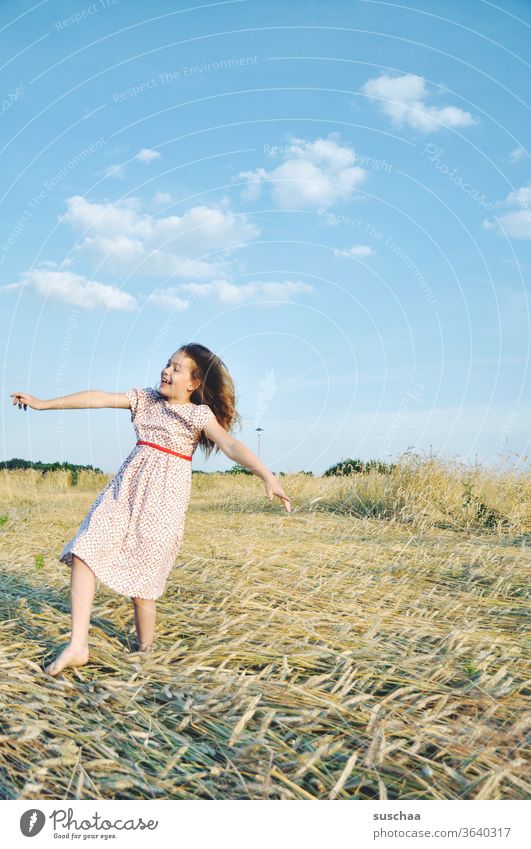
44	468
357	467
300	472
241	470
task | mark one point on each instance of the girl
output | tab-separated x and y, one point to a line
131	535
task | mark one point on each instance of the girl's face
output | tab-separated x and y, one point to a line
176	381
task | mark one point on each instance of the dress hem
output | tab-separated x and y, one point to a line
66	557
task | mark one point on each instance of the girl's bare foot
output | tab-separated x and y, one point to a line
139	648
71	655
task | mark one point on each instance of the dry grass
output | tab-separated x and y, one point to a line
370	645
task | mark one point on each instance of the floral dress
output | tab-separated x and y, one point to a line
134	529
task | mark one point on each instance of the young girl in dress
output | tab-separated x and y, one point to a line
133	531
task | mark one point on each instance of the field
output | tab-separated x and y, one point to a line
370	645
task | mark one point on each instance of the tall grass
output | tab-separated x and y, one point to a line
371	644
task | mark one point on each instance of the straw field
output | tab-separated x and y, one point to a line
370	645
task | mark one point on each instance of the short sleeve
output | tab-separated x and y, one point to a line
205	415
136	399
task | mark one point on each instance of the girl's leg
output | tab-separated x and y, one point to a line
145	612
82	588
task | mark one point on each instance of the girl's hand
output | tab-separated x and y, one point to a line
273	488
26	401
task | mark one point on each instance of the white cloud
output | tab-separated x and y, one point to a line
12	287
117	171
229	293
162	198
147	155
66	262
403	100
355	250
71	288
521	196
517	154
517	222
254	183
126	240
317	173
167	297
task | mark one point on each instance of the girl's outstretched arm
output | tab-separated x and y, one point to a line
91	398
237	451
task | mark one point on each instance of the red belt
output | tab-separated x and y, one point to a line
168	450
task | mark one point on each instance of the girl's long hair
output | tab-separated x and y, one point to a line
216	389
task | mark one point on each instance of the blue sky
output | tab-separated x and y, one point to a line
334	197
